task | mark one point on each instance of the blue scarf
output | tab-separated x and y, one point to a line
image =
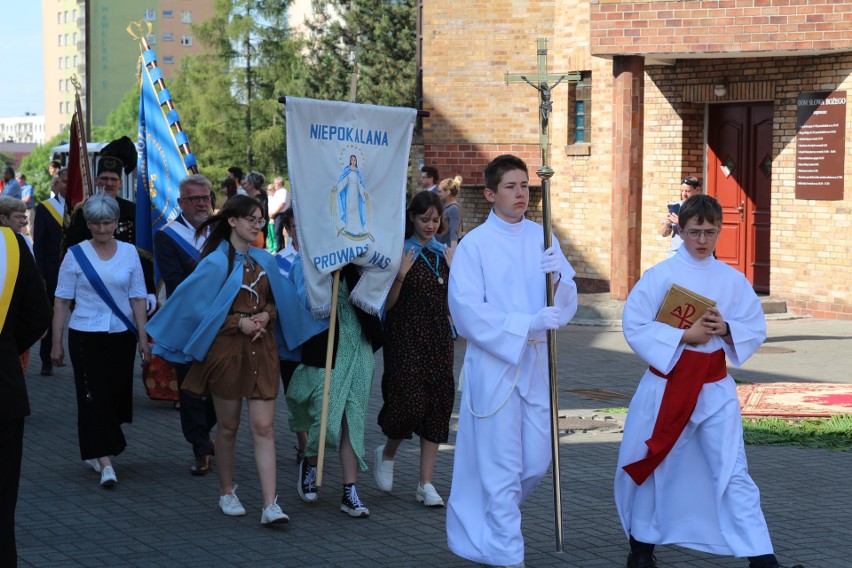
94	279
411	243
186	325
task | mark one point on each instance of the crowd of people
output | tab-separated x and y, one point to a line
236	318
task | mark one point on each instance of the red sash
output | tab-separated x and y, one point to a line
685	381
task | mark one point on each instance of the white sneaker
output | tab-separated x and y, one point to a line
94	464
382	469
273	515
108	478
230	503
427	495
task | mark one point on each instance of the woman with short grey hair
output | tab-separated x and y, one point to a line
104	277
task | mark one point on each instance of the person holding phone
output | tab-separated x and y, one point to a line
688	187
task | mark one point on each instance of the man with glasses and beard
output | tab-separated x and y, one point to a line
177	250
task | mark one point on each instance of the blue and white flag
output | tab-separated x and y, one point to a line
160	164
348	166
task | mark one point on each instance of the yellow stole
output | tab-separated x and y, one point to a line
53	211
10	255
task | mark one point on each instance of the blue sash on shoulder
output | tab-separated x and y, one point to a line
99	286
185	246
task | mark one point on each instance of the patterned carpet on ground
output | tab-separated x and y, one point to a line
798	400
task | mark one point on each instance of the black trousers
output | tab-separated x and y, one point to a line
103	377
11	452
197	417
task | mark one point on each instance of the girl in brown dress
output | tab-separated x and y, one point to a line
236	282
418	384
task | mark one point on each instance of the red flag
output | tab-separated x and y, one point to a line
74	192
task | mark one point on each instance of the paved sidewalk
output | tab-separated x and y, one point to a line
161	516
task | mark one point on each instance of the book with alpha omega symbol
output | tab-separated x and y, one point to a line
682	307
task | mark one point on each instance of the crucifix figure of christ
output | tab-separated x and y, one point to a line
545	172
541	83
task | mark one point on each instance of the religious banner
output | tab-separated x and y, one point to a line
348	166
161	165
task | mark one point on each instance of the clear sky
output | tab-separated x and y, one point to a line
21	49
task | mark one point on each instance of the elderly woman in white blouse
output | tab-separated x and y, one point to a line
104	278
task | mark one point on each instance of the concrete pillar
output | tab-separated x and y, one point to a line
627	125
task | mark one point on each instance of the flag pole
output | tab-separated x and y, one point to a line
545	172
326	388
137	30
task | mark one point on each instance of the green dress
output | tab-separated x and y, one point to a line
351	383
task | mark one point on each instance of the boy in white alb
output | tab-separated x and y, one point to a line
498	302
682	476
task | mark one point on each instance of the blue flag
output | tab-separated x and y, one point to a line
160	164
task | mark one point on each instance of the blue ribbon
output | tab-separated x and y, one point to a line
190	250
95	280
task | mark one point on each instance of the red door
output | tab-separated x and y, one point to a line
739	172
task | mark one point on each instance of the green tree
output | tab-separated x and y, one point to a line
381	34
227	98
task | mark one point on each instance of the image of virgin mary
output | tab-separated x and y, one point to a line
352	203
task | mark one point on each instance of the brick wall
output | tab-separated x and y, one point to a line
810	241
718	26
468	47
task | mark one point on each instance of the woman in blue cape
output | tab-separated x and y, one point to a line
223	319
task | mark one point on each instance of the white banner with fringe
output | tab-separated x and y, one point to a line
348	166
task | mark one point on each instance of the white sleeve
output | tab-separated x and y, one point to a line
137	278
501	334
747	323
69	271
655	342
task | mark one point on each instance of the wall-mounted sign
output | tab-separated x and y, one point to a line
820	144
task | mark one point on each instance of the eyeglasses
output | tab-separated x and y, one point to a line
256	221
695	234
193	199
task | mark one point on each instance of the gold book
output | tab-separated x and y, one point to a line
681	307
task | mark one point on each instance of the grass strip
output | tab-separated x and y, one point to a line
833	433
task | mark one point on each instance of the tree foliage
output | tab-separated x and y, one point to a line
381	34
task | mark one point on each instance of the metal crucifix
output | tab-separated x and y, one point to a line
544	88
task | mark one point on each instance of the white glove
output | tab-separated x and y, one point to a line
546	318
151	303
550	261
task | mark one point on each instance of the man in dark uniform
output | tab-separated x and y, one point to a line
24	316
177	251
47	246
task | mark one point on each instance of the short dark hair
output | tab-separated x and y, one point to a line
419	204
430	171
495	170
288	216
702	208
55	164
691	182
238	172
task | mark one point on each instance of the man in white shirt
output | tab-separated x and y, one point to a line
177	251
279	201
498	302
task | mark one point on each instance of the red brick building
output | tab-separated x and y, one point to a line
669	90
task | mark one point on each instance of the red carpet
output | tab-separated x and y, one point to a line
795	399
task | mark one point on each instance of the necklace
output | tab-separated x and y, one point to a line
437	265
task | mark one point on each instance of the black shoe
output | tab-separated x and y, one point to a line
306	485
641	561
47	370
351	504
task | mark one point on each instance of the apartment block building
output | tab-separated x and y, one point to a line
88	39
